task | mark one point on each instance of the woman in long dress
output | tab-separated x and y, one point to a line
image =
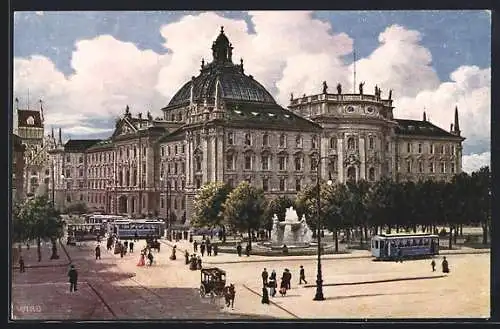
142	260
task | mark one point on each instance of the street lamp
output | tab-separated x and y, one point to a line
319	279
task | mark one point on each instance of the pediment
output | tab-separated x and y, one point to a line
124	127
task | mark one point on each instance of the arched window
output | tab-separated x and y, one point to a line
351	174
351	144
314	142
298	163
198	163
371	174
371	143
265	140
333	143
248	139
298	141
282	141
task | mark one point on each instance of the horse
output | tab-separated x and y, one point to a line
229	294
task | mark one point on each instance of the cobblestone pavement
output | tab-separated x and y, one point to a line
115	288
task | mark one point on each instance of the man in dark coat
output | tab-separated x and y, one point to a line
216	250
73	279
209	249
288	278
444	264
131	245
97	252
265	275
21	264
150	258
247	250
265	295
302	275
202	248
238	249
195	246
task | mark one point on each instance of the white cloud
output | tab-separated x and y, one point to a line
474	162
290	52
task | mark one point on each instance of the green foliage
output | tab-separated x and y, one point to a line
77	207
279	205
36	218
245	207
209	204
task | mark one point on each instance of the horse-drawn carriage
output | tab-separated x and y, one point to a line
213	281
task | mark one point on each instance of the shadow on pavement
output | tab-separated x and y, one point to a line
371	295
376	281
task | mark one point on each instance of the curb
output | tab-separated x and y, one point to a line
376	281
324	257
49	265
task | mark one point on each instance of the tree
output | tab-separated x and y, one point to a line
279	205
40	220
77	207
244	208
209	206
481	185
359	204
335	211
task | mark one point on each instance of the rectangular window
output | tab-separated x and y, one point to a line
80	159
420	167
431	149
282	163
81	172
409	147
162	203
452	168
282	142
230	182
297	185
162	151
248	139
68	173
443	149
248	162
443	167
431	167
419	148
282	184
371	143
387	146
175	168
265	184
298	164
265	162
408	166
230	162
314	164
230	138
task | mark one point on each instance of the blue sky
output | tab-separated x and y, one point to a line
450	48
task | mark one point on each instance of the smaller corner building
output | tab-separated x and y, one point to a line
223	125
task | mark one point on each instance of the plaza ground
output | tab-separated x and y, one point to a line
355	287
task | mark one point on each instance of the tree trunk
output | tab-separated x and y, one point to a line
336	237
455	236
54	249
415	228
389	228
397	228
250	238
461	230
365	228
39	248
223	233
361	237
451	237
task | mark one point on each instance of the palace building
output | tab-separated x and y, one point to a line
223	125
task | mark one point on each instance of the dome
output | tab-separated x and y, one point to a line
234	85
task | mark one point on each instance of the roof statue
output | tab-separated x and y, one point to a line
325	87
291	96
390	94
339	88
361	87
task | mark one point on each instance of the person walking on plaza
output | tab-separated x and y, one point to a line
247	250
202	248
142	260
283	286
195	246
302	275
186	257
238	249
288	278
265	295
444	264
216	250
21	264
209	249
131	246
73	279
400	255
150	258
265	276
433	264
97	252
272	285
198	263
125	244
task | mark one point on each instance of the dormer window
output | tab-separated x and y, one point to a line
298	141
30	121
282	141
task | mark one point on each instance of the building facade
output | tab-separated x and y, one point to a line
17	168
223	125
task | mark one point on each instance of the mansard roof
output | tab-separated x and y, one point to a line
421	128
79	145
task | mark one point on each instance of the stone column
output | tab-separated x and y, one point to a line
340	161
220	155
213	156
205	160
362	158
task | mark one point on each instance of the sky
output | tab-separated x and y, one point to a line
88	66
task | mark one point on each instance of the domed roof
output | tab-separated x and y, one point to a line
234	85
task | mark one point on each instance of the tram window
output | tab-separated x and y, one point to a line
381	244
420	242
376	244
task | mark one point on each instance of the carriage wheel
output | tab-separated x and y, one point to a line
202	291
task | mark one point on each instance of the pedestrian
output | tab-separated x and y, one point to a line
136	236
150	258
21	264
209	249
142	260
264	277
202	248
433	264
247	250
302	275
186	257
198	263
444	264
216	250
125	244
131	246
400	255
265	295
272	285
285	249
283	286
195	246
97	252
73	279
238	249
273	275
122	250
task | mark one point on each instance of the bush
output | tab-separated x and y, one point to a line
77	208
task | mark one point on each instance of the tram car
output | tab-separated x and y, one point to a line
404	245
137	228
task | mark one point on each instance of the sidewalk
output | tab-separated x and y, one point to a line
224	258
31	256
